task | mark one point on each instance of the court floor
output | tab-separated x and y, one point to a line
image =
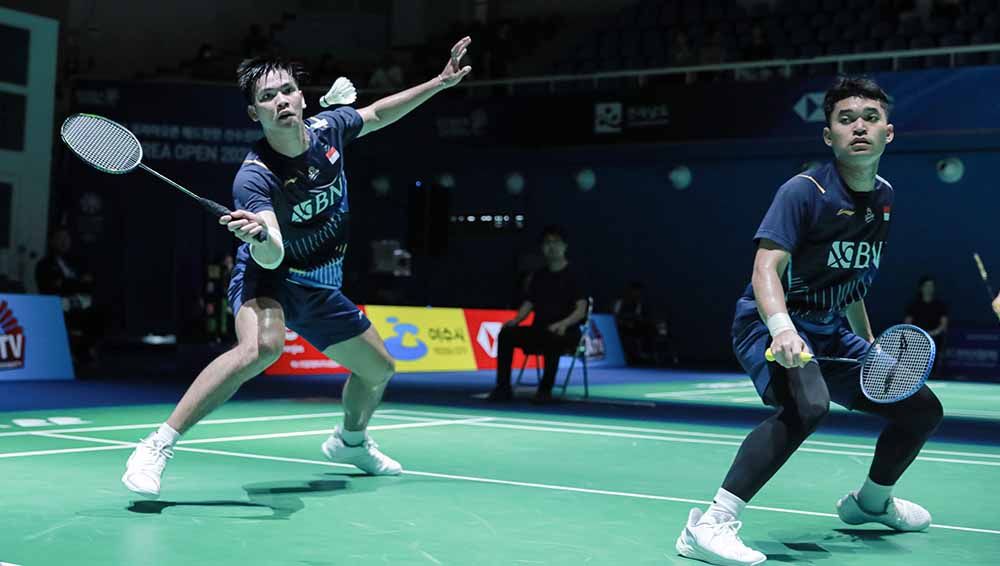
483	486
960	399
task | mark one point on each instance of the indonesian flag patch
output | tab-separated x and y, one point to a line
332	155
885	213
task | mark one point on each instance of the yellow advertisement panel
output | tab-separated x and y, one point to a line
424	339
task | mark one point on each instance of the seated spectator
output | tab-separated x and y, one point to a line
559	304
929	313
633	324
57	273
757	50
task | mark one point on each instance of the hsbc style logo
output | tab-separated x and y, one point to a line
810	107
854	255
305	210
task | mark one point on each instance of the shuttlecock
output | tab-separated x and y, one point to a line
342	92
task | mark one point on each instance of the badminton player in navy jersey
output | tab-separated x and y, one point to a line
818	250
291	213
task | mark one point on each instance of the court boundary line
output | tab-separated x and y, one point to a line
566	427
870	447
119	444
535	485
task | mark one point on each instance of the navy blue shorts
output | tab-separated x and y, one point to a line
751	338
323	317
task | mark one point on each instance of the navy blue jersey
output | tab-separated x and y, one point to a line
836	238
308	194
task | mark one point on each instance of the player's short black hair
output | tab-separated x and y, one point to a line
924	279
251	70
553	230
846	87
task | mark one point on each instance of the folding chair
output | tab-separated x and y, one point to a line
579	353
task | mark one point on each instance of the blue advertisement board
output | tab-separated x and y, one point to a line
604	348
973	352
33	341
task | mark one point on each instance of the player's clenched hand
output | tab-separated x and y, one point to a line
786	348
244	225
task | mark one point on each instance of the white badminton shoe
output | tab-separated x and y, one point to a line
365	456
900	514
145	466
716	543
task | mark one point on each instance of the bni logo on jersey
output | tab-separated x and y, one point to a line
854	255
11	340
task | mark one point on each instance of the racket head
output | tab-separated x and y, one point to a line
101	143
898	364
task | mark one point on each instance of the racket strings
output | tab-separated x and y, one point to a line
102	143
900	363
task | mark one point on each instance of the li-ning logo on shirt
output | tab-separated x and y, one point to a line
313	174
869	216
305	210
854	255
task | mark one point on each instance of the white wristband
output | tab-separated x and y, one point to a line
779	322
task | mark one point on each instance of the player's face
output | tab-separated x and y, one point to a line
859	130
278	102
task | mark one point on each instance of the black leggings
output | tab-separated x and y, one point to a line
802	401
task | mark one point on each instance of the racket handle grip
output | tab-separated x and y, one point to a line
804	356
219	211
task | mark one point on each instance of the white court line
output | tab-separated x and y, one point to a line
717	442
695	392
156	425
551	487
395	414
126	444
488	422
673	432
64	451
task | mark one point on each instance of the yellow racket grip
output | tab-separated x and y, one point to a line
804	356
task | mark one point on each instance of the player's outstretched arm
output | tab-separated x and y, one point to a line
385	111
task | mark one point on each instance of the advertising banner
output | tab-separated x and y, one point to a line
33	340
484	328
972	352
443	339
425	339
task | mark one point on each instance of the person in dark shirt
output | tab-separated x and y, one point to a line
634	324
559	304
929	313
291	190
819	248
926	311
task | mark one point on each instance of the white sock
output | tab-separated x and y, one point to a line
725	507
873	497
353	437
167	434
